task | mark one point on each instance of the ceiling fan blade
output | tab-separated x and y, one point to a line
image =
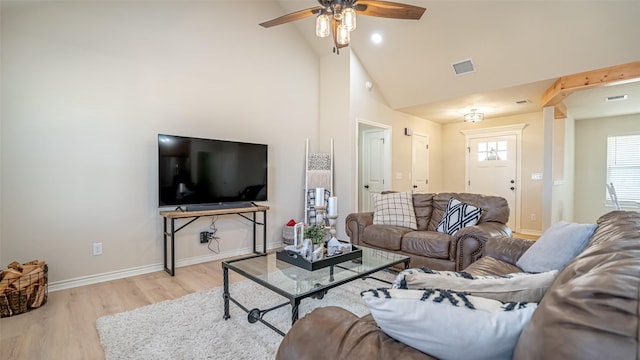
298	15
388	9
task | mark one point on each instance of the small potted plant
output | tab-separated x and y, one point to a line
315	233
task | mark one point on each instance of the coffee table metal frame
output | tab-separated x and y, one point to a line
318	292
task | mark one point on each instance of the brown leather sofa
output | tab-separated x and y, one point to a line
426	246
591	311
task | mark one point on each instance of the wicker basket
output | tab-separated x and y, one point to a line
25	293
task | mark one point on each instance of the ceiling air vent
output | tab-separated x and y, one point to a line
464	67
522	102
615	98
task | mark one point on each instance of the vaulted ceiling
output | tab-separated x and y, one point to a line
519	49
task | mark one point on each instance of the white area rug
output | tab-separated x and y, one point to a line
192	327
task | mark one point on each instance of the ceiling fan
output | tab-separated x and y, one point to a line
338	17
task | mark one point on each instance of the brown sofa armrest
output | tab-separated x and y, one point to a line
355	224
506	248
335	333
468	244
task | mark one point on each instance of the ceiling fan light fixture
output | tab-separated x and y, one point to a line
349	18
473	116
342	36
323	25
337	18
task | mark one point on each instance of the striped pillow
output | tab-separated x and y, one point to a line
520	287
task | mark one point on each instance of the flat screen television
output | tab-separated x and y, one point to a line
208	174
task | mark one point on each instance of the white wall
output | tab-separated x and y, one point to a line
86	88
591	162
562	193
334	124
370	105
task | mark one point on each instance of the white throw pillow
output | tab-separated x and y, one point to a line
558	245
448	324
518	287
457	216
394	209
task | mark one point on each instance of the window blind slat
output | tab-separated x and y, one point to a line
623	166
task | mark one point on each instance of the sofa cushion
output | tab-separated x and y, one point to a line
423	206
426	243
457	216
487	265
558	245
384	236
314	337
394	209
448	324
615	225
518	287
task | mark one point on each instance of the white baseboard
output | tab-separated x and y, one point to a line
140	270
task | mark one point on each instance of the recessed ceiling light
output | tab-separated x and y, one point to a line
376	38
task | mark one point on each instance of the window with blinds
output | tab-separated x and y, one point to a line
623	167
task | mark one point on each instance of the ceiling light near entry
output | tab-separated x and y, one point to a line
376	38
474	116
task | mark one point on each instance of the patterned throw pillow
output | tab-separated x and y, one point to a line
522	287
457	216
394	209
449	324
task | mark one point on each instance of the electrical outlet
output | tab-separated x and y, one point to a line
533	217
97	249
204	237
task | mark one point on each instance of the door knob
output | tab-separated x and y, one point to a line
512	188
366	186
513	181
415	186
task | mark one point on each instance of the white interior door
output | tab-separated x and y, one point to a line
493	169
420	163
373	166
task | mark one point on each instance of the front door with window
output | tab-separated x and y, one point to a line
492	169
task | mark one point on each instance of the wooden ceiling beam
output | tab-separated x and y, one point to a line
566	85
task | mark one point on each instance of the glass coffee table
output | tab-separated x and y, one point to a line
295	283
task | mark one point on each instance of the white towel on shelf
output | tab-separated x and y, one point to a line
319	179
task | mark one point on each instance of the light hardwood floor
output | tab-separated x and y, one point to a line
65	327
524	236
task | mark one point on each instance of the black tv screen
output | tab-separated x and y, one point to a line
193	171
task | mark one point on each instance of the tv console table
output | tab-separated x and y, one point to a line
195	215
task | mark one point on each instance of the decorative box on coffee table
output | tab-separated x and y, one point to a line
298	260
